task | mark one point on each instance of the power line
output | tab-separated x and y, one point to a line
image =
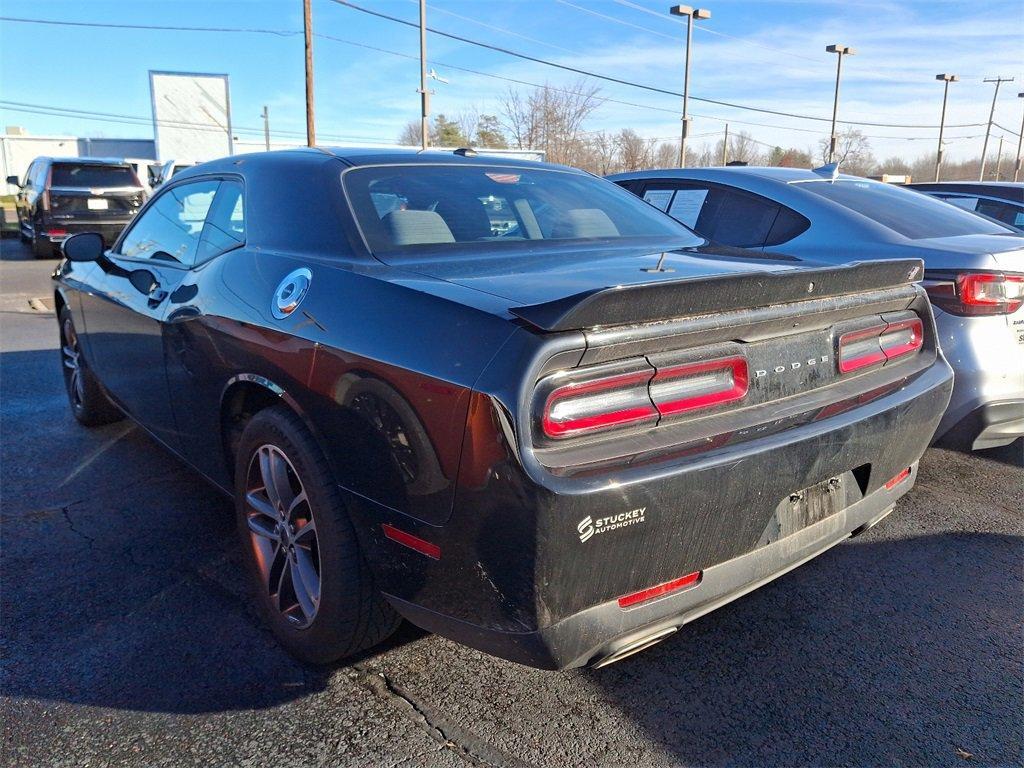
603	99
620	81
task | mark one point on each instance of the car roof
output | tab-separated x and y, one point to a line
730	173
87	160
363	156
1008	190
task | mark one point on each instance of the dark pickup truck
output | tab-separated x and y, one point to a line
507	401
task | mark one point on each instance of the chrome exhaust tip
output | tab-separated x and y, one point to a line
634	646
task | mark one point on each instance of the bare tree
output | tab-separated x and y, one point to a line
551	120
635	152
666	155
410	135
853	152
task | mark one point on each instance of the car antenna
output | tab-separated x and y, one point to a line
465	152
830	171
660	266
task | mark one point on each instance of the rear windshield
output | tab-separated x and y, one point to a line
92	175
404	208
904	211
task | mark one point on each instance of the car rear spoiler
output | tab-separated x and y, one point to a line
663	300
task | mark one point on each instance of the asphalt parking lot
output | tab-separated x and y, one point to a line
126	638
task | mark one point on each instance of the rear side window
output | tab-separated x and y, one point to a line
1006	212
170	229
225	222
908	213
725	215
92	175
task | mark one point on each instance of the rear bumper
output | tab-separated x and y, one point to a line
518	576
988	426
109	229
606	630
985	409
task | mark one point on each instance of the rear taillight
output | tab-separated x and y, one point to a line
681	388
973	294
879	343
584	407
609	401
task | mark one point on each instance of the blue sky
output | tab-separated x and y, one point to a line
758	53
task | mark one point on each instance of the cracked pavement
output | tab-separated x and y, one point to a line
127	640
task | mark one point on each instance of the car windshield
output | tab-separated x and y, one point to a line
431	208
904	211
92	175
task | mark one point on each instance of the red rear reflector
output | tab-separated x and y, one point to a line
56	232
898	479
901	338
412	542
682	388
590	406
859	349
644	595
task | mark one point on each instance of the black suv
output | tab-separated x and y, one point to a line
61	196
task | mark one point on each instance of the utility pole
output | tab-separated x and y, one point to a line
1020	138
725	147
266	127
999	157
691	14
307	23
991	116
424	93
947	79
841	50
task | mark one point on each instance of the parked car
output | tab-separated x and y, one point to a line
999	200
161	172
556	441
61	196
974	267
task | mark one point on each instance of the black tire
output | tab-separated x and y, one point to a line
42	249
351	614
89	403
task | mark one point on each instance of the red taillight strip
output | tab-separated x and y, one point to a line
584	424
916	328
870	356
691	579
412	542
738	390
898	479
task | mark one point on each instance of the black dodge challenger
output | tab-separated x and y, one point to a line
508	401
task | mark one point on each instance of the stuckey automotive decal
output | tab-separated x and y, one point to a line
588	527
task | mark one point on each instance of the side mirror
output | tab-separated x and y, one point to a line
13	180
85	246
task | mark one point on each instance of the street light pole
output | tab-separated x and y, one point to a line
1020	138
424	92
266	127
691	14
840	50
947	79
991	116
725	147
307	23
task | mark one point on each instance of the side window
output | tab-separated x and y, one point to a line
788	224
1008	213
225	223
29	175
731	217
961	201
170	229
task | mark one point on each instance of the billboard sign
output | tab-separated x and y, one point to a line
191	115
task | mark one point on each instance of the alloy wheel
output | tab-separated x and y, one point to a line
71	354
282	531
